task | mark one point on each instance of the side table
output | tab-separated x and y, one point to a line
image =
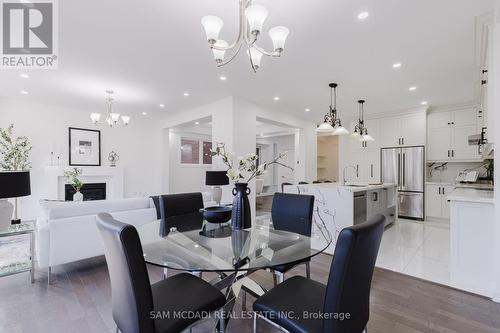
21	265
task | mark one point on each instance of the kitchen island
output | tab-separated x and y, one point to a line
472	240
337	206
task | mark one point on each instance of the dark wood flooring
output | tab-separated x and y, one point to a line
79	300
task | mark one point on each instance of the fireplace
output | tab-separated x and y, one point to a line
92	191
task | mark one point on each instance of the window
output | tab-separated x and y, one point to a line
196	151
207	154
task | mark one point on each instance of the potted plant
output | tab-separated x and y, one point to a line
72	177
14	153
241	170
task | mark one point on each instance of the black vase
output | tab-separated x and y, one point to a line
241	217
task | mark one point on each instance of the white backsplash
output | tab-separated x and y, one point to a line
450	172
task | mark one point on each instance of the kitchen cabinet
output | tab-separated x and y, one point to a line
437	205
447	136
367	163
405	130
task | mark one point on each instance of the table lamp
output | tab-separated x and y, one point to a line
13	184
216	179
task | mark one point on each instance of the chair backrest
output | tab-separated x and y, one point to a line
293	212
283	186
131	295
181	211
303	183
349	282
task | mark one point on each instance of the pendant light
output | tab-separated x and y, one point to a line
360	130
332	123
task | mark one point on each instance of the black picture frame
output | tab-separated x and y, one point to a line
92	133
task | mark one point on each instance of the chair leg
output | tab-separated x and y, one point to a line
243	299
278	278
254	322
49	271
308	270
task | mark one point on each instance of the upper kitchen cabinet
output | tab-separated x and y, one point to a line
447	135
405	130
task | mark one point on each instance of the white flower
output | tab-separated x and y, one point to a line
233	174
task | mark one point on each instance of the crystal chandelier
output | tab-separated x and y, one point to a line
112	118
252	19
360	130
332	123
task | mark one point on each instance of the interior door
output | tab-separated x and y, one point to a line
390	165
412	169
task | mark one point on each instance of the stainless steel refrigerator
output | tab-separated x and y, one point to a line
406	168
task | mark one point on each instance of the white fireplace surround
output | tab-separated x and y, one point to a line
55	180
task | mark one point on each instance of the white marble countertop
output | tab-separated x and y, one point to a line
352	187
440	183
471	195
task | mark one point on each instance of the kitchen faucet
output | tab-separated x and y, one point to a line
345	169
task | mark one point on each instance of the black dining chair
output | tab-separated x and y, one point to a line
181	211
138	306
303	183
347	291
283	186
293	213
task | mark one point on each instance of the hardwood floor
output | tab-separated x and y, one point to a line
79	300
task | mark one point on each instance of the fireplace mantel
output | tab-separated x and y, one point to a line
113	177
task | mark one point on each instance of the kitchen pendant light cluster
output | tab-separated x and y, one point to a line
112	118
251	20
360	130
332	123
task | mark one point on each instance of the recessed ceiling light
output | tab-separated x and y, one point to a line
162	105
186	94
24	76
412	88
24	92
363	15
276	98
222	78
196	122
307	110
396	65
144	113
424	103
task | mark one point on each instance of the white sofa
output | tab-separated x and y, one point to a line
68	232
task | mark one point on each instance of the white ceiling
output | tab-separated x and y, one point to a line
150	52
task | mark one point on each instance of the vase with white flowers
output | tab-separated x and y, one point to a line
73	178
241	170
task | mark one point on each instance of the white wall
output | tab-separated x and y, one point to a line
281	143
495	109
185	177
47	128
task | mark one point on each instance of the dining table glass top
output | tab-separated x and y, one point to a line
213	247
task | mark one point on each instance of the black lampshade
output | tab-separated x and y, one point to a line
14	184
216	178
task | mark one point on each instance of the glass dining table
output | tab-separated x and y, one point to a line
232	254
